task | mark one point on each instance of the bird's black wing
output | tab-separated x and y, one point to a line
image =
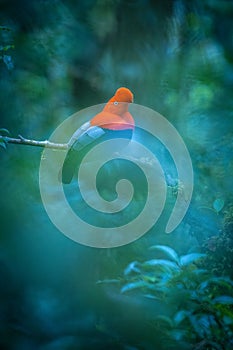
80	141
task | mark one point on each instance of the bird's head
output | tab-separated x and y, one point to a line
123	95
118	104
116	107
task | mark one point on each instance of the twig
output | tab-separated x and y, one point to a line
22	141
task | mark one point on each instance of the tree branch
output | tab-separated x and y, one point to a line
22	141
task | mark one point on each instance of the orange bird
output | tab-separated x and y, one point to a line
114	121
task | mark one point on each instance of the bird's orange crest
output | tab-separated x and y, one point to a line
115	115
123	95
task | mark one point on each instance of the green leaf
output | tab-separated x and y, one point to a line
223	299
200	272
180	316
222	281
165	264
4	131
134	285
190	258
218	204
197	327
132	267
171	253
180	334
151	296
151	279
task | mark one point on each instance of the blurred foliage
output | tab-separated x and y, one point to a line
3	142
200	313
4	49
57	57
220	247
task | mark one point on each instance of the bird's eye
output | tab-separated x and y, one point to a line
115	103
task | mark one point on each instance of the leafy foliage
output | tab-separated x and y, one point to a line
220	247
199	305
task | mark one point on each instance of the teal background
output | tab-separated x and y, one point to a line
58	57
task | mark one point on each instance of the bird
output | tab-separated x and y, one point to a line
114	121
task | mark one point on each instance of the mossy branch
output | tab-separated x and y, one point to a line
22	141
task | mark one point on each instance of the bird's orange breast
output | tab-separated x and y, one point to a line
112	121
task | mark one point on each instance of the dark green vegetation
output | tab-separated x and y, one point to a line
57	57
190	307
